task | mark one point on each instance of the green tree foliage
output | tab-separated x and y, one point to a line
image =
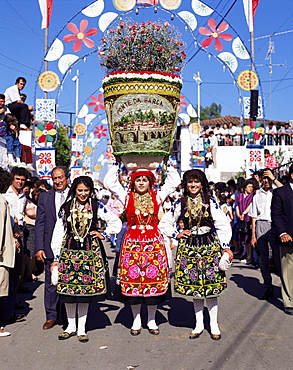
62	147
213	111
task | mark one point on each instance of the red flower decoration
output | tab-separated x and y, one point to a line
109	154
100	131
79	35
97	102
215	34
182	103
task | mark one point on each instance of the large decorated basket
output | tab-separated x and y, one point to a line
141	100
142	114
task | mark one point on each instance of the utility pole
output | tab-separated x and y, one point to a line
269	58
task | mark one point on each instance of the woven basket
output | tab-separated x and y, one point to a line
142	111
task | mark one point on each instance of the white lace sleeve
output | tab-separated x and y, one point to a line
111	182
221	223
168	223
113	222
172	181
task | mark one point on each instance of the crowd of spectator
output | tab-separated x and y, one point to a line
233	135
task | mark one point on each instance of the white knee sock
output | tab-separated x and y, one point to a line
136	316
198	305
71	312
82	309
152	317
212	305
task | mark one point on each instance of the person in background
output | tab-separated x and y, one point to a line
17	203
30	214
167	204
7	252
263	235
270	161
279	131
213	145
3	110
48	229
287	133
226	208
271	133
243	204
11	135
27	189
282	221
208	157
238	135
218	133
257	176
43	184
232	132
225	134
16	104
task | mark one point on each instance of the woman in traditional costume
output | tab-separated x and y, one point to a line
206	235
82	264
143	273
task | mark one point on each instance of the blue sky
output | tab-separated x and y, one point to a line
23	49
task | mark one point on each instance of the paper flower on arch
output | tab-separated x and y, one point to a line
97	102
109	153
45	132
182	102
214	34
79	35
254	130
100	131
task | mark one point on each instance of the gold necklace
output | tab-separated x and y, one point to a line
143	204
84	216
194	210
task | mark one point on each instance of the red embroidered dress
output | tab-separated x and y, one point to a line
143	261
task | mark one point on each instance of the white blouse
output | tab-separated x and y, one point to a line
113	223
111	182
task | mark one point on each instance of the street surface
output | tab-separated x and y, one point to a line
256	334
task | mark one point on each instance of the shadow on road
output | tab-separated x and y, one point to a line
253	287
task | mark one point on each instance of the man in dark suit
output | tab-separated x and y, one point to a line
282	219
49	232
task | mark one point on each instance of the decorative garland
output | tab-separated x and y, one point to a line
142	76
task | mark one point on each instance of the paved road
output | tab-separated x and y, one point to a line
256	334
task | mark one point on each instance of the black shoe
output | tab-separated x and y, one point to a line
216	336
17	317
268	294
195	335
288	310
135	332
154	331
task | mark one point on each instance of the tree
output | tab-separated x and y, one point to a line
62	146
213	111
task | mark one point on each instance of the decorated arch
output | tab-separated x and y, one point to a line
209	37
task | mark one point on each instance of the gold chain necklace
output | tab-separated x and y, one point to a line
194	210
143	204
84	217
